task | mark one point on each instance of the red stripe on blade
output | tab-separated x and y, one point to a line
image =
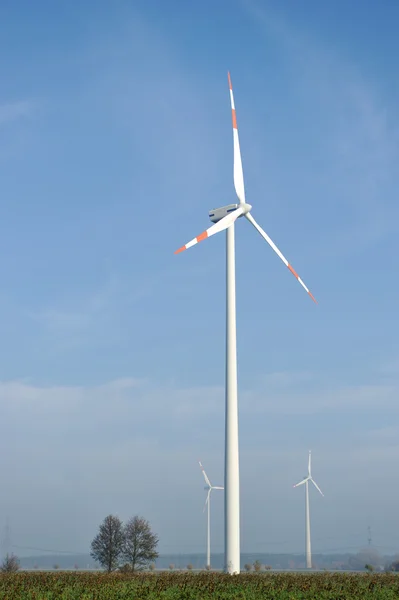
233	114
293	271
202	236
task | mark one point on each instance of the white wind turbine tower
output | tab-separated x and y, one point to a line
224	218
209	487
306	482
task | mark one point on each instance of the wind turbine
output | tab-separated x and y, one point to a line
209	487
224	218
306	482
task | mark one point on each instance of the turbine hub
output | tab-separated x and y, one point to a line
246	208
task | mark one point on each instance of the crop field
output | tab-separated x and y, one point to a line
201	586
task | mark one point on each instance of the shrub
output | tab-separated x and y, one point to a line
126	568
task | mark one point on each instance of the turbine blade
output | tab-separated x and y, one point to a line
316	486
216	228
217	487
238	172
204	474
277	251
301	482
207	499
309	463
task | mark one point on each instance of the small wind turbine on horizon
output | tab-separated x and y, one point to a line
306	482
209	487
224	219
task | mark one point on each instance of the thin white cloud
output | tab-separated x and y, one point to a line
287	394
360	134
331	399
13	111
73	318
164	108
81	317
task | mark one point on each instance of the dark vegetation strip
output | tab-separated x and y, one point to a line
204	586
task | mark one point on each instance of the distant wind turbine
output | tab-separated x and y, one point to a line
208	487
306	482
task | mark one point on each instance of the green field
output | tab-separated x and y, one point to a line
253	586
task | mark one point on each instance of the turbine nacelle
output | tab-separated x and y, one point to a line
217	214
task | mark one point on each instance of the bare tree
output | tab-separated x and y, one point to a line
10	564
257	566
107	546
139	548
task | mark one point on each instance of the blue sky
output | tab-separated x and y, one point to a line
115	141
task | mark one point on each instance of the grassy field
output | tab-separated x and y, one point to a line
201	586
